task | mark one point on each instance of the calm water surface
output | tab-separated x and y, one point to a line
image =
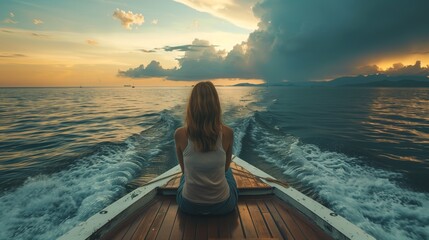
66	153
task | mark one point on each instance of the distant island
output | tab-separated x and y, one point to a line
276	84
376	80
396	84
248	85
380	80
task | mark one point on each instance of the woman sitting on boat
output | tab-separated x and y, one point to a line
204	151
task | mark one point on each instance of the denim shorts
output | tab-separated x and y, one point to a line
221	208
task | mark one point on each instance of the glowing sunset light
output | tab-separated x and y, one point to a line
45	42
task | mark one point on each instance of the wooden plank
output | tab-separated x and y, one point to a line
251	179
127	227
174	182
212	227
178	226
234	223
154	228
288	219
238	180
279	221
311	231
201	232
254	217
118	235
169	184
262	207
246	221
143	222
246	182
272	227
308	231
258	221
177	181
190	227
225	226
167	224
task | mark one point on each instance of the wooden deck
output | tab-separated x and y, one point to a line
255	217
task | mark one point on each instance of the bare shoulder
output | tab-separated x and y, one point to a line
227	132
180	134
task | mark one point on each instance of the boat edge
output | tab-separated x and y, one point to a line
113	214
329	221
333	224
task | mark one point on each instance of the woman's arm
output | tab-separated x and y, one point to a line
178	139
229	137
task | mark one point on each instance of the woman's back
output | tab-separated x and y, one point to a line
205	174
204	150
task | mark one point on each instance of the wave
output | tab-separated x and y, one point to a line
47	206
371	198
240	128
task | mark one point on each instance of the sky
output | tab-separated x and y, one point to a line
179	42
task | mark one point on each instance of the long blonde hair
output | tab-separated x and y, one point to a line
203	116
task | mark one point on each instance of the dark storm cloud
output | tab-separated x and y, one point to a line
153	69
302	40
202	62
311	39
398	69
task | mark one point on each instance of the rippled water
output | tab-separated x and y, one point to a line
66	153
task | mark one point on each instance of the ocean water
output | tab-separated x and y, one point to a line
66	153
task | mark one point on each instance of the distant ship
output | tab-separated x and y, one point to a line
127	85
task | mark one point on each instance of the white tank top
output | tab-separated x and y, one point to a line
205	180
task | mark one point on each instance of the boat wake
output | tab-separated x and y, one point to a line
47	206
371	198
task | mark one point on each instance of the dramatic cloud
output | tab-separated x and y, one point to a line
398	69
311	40
37	21
153	69
128	18
11	14
238	12
201	61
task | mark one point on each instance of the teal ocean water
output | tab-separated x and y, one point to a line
66	153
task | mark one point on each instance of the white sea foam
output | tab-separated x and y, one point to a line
240	129
370	198
47	206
